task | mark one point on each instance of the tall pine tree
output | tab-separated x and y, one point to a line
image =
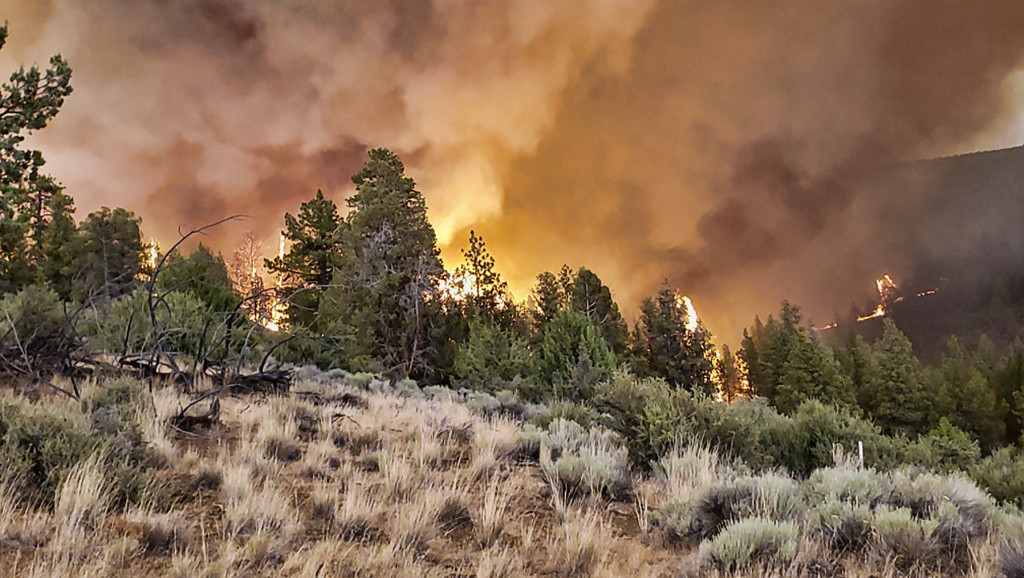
385	302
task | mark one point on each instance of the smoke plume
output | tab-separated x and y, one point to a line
747	151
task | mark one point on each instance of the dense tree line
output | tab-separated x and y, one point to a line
367	291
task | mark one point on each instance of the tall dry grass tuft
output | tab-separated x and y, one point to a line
359	512
501	563
81	500
490	518
152	418
8	509
581	545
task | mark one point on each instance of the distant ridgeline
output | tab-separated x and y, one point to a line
957	224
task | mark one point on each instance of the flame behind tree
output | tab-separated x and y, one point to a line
665	346
247	273
477	287
729	376
314	253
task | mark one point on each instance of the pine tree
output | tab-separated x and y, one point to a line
107	254
28	101
664	347
385	304
483	292
574	357
965	397
56	239
593	298
314	240
201	275
898	399
730	376
811	373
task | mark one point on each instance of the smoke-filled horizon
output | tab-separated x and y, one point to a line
744	151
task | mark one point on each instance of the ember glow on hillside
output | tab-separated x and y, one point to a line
748	151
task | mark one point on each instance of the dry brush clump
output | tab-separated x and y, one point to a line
381	480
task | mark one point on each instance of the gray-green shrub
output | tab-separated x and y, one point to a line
752	540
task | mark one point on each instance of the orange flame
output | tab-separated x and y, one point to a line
277	312
692	321
460	284
887	289
878	312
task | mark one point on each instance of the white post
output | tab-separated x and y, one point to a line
860	454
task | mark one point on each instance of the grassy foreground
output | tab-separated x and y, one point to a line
350	476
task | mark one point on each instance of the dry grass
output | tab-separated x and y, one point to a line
296	486
490	519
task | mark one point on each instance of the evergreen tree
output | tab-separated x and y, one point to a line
314	240
1008	383
749	357
491	356
811	373
663	347
778	339
551	294
860	367
574	357
28	101
57	237
385	301
730	376
898	399
106	254
593	298
202	275
483	292
965	397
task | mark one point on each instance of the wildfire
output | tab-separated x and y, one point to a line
832	325
926	293
277	312
684	302
152	256
878	312
716	376
460	285
887	290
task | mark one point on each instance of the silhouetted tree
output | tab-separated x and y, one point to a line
483	292
663	347
107	254
314	240
593	298
28	101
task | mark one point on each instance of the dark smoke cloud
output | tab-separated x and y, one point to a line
748	151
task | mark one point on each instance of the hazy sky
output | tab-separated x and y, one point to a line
730	146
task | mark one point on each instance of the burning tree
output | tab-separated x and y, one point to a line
247	271
670	342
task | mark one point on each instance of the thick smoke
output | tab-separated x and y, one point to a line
747	151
